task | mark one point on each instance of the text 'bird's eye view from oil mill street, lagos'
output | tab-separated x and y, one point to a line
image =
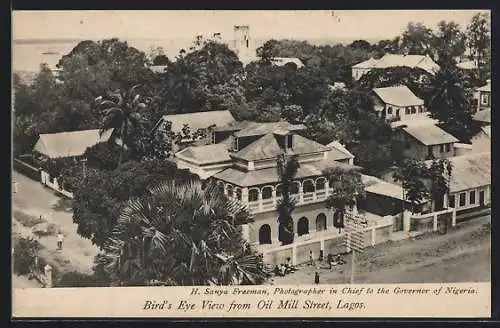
250	148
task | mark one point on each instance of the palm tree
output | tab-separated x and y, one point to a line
182	234
122	115
348	188
451	102
184	79
287	170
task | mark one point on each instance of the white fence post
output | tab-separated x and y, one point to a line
435	223
374	233
294	254
454	218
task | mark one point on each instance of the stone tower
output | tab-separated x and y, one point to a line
242	44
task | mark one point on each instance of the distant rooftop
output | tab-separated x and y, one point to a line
400	96
395	60
199	120
470	171
483	116
430	135
69	144
485	88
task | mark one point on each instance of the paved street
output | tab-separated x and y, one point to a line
33	199
462	255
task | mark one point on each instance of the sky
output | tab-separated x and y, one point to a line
367	24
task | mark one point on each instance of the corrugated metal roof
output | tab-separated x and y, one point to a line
395	60
69	144
377	186
338	151
430	134
267	147
207	154
400	96
270	175
199	120
257	129
483	116
470	171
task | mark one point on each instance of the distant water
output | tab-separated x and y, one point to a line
29	54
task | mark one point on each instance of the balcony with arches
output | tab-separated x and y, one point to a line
265	198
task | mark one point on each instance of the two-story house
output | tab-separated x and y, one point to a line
483	97
428	141
398	103
244	157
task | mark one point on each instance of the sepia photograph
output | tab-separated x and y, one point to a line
272	148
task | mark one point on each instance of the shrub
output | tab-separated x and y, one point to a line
77	279
25	251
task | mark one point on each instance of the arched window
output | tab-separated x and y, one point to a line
303	226
253	195
295	188
320	184
279	191
337	218
238	193
267	192
265	234
229	190
308	186
321	222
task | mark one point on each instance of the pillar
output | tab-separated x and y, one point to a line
301	194
294	254
406	220
374	234
454	218
245	232
434	222
244	195
259	199
48	276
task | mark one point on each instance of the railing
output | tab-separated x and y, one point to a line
266	205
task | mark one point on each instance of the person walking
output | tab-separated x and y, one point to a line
311	257
316	277
60	239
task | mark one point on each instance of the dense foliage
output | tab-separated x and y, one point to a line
180	233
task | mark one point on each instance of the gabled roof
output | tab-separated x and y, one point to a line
470	171
258	129
207	154
400	96
377	186
69	144
366	64
268	147
483	116
470	64
338	151
430	135
199	120
395	60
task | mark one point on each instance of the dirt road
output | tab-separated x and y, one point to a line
463	254
33	199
